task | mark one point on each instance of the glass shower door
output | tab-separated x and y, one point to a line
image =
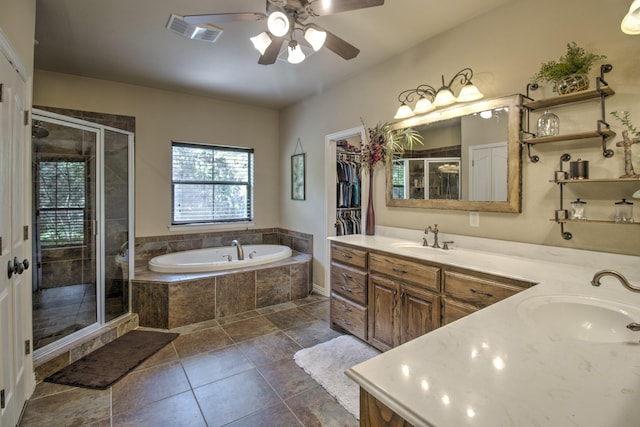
65	200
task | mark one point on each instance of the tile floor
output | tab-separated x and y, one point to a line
233	371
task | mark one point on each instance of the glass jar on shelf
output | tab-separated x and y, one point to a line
624	212
548	124
578	210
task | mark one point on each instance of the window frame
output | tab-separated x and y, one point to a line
249	184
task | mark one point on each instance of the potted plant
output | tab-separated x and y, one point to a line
569	73
382	145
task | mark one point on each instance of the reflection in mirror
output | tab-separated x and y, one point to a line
470	159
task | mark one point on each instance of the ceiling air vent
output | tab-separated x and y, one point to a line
204	32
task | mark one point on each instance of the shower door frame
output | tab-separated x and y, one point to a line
49	117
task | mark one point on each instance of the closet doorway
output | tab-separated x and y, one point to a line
345	193
82	222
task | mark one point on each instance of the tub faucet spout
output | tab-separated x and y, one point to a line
239	248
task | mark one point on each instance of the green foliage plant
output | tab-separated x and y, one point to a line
576	61
623	117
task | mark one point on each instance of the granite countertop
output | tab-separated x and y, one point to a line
499	367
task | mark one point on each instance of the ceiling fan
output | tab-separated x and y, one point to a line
284	18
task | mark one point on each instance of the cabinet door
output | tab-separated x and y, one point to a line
419	312
382	313
454	310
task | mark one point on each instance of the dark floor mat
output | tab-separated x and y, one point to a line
106	365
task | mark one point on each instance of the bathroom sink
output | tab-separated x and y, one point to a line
416	246
582	318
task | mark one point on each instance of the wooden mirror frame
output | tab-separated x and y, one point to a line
513	204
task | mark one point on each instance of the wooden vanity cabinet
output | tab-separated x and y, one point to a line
400	311
349	300
467	291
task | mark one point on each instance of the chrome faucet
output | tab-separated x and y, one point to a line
239	247
435	232
596	279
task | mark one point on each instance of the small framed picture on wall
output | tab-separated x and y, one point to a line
298	176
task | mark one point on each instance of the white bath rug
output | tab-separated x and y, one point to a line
326	363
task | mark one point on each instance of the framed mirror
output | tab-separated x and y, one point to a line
470	159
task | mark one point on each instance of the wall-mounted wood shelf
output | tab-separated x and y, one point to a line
570	137
570	98
584	181
596	221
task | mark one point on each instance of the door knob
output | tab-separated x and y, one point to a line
16	267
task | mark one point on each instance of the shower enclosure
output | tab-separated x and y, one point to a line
82	223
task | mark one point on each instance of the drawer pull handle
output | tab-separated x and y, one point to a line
397	270
346	322
346	256
347	276
345	308
344	288
486	294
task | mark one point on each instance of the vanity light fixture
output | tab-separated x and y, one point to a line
631	21
429	98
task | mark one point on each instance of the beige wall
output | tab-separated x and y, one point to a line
18	22
504	47
163	116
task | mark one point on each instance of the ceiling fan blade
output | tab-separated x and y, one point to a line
320	8
271	54
218	18
337	45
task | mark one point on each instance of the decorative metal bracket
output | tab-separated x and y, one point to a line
565	234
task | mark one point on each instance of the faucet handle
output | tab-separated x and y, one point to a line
445	244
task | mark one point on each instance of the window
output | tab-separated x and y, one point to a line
211	184
61	203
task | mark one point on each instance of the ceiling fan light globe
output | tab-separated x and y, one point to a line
423	105
261	42
296	55
316	38
278	24
631	22
444	97
469	92
404	112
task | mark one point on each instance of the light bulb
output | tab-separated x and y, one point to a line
631	22
315	38
444	97
261	42
404	111
423	105
469	92
296	55
278	24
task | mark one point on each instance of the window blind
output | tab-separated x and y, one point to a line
61	202
211	184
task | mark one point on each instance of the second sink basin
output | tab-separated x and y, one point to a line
581	318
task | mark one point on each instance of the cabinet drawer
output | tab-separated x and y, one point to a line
453	310
408	271
349	316
349	282
479	290
345	255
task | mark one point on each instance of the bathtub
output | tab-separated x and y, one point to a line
217	259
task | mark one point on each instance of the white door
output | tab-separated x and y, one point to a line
16	367
488	177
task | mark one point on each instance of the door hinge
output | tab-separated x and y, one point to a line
25	232
26	117
2	404
27	347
